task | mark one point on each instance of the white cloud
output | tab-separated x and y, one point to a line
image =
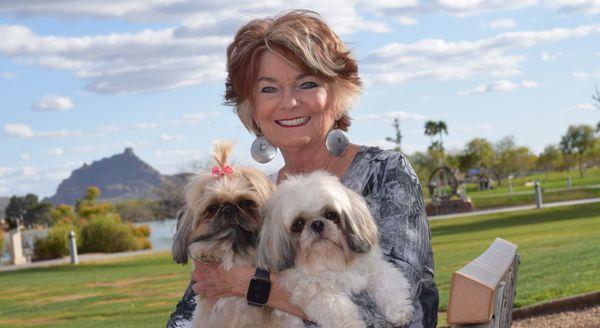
171	137
530	84
7	75
25	157
26	132
55	152
584	107
406	21
475	128
6	171
458	8
29	171
179	153
585	75
591	7
388	116
146	125
547	56
18	131
502	86
52	103
506	23
442	60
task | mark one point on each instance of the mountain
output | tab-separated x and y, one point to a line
121	176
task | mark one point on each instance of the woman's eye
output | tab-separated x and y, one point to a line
298	225
268	90
309	85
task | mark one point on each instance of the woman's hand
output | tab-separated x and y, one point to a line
212	282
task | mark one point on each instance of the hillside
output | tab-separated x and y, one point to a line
121	176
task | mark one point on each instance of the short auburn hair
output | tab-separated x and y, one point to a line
301	38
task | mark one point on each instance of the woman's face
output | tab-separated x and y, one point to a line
291	107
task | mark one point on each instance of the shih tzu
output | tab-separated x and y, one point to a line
221	223
323	239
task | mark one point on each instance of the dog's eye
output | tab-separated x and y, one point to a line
212	209
246	203
333	216
298	225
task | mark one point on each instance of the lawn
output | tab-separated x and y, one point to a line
558	247
554	188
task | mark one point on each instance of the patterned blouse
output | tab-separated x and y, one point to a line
395	198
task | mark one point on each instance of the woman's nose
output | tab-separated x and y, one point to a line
289	99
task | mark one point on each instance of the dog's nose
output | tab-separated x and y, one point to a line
228	209
318	226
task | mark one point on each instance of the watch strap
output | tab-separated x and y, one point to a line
262	273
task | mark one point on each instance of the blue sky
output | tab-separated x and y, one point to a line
82	80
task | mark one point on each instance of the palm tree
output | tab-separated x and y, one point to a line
442	127
431	129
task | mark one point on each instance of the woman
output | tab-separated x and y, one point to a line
292	82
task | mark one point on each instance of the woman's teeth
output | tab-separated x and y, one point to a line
294	122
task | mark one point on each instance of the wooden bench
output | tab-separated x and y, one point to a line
482	292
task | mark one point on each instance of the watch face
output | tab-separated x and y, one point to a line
258	291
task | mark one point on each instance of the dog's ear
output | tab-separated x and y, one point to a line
276	248
359	226
179	250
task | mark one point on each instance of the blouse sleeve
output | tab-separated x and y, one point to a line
395	199
182	316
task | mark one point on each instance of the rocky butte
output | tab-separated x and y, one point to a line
121	176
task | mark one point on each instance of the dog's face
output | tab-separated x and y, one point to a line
314	222
221	213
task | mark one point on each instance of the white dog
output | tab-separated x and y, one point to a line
322	238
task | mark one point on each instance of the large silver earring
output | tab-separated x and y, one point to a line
337	141
262	150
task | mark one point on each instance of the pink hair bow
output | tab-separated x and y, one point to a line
221	171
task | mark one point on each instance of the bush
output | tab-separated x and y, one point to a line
56	245
108	234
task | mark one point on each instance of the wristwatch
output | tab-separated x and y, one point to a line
259	288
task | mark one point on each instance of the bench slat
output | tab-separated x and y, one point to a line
473	293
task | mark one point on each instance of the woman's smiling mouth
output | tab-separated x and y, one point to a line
295	122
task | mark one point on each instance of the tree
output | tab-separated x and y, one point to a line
577	141
507	159
549	160
15	211
88	208
442	127
398	139
478	154
28	211
434	128
596	98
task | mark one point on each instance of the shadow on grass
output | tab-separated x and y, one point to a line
511	220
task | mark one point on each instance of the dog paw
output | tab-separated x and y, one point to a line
402	316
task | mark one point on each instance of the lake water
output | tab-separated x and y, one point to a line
161	236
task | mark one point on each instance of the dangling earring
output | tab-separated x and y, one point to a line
262	150
337	141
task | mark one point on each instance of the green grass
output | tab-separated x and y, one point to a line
548	196
135	292
553	180
553	185
559	250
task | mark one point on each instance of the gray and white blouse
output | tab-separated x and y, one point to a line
393	193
